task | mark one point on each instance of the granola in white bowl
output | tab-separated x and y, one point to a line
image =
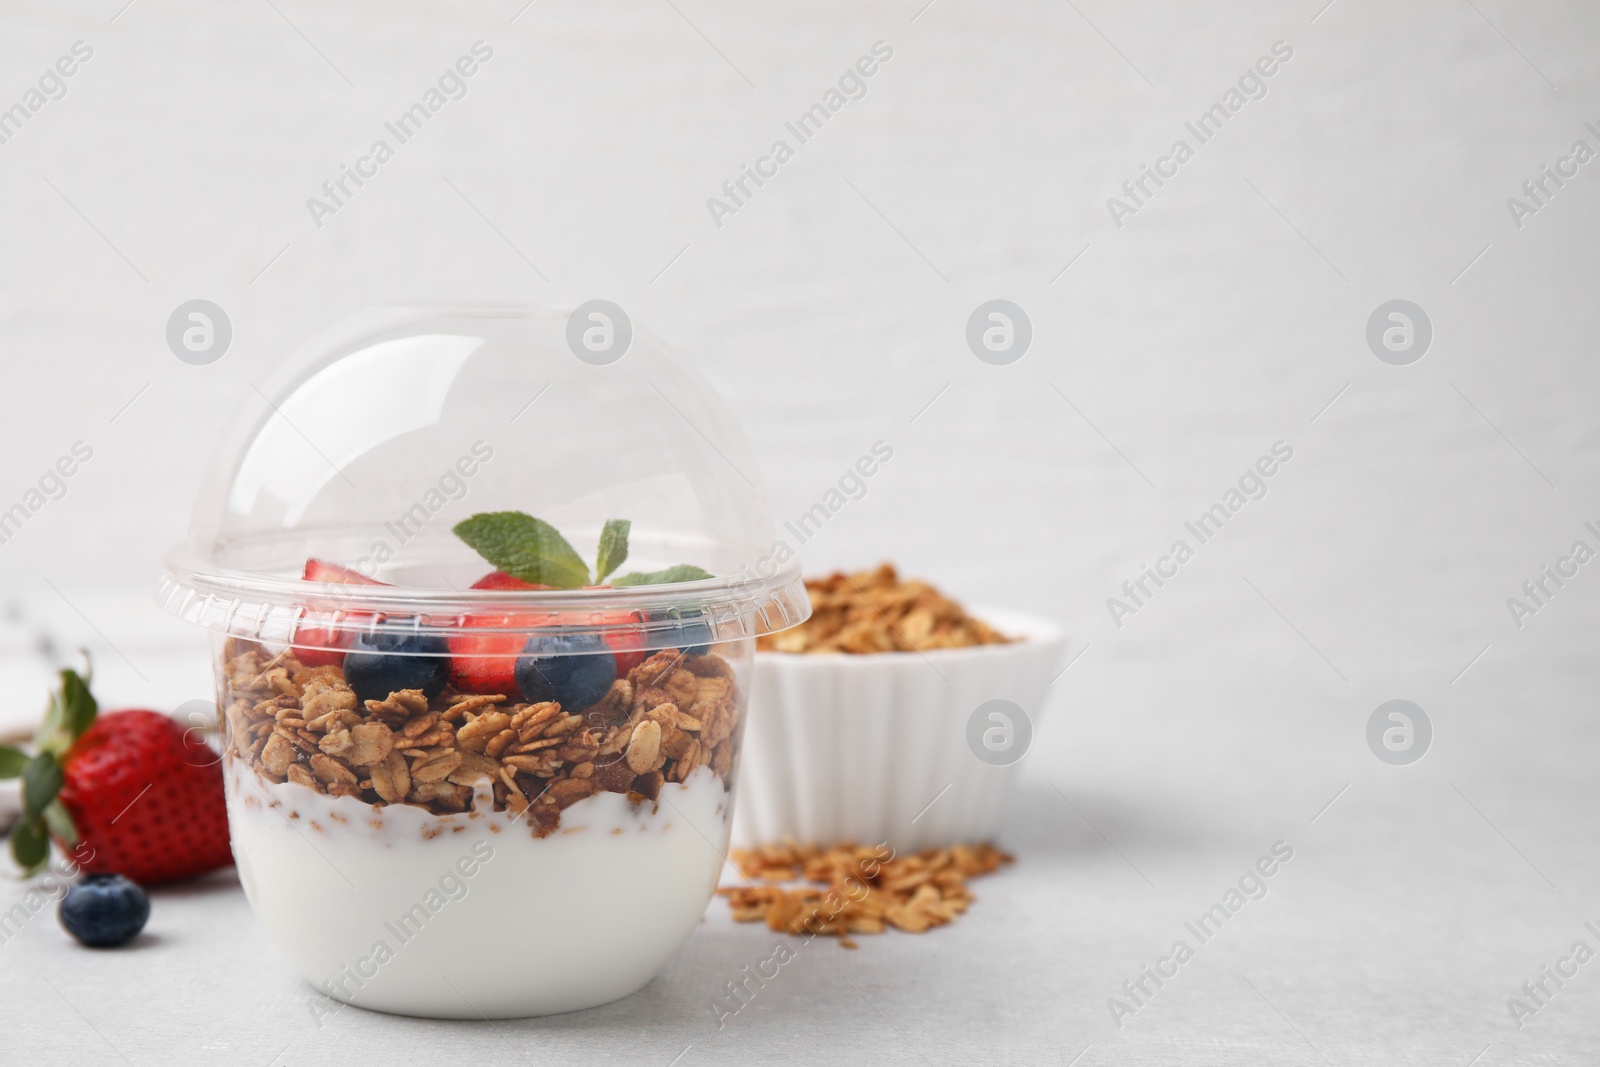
864	731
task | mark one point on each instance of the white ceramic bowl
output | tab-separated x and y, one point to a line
874	748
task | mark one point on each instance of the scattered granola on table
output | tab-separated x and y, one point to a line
874	611
671	715
864	889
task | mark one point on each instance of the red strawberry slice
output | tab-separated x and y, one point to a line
502	580
317	628
320	570
483	657
626	644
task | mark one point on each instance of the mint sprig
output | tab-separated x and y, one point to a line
683	572
525	547
72	711
533	550
613	550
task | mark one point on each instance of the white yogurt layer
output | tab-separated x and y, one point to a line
466	916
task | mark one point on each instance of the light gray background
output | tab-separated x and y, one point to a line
1228	314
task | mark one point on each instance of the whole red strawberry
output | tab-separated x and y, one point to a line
146	795
131	792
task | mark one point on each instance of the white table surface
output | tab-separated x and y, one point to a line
1413	907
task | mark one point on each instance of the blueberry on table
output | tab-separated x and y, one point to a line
378	664
574	670
104	910
687	629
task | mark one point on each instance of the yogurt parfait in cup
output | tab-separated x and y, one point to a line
483	642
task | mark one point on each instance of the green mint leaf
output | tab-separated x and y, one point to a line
30	845
12	760
525	547
683	572
613	551
41	781
58	820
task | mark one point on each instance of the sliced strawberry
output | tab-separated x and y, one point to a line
317	628
312	645
483	653
320	570
626	645
483	660
502	580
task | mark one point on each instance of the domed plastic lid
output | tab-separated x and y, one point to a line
417	468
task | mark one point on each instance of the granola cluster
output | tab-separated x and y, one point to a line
874	611
864	890
670	716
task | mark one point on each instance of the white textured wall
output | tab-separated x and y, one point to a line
830	310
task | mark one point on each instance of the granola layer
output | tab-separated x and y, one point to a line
671	715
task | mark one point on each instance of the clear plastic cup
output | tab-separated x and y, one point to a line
454	793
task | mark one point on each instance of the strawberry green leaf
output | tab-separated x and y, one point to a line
30	845
52	734
12	760
525	547
81	708
41	781
71	711
683	572
613	551
58	820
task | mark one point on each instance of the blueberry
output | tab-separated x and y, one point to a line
382	663
575	670
686	629
104	910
